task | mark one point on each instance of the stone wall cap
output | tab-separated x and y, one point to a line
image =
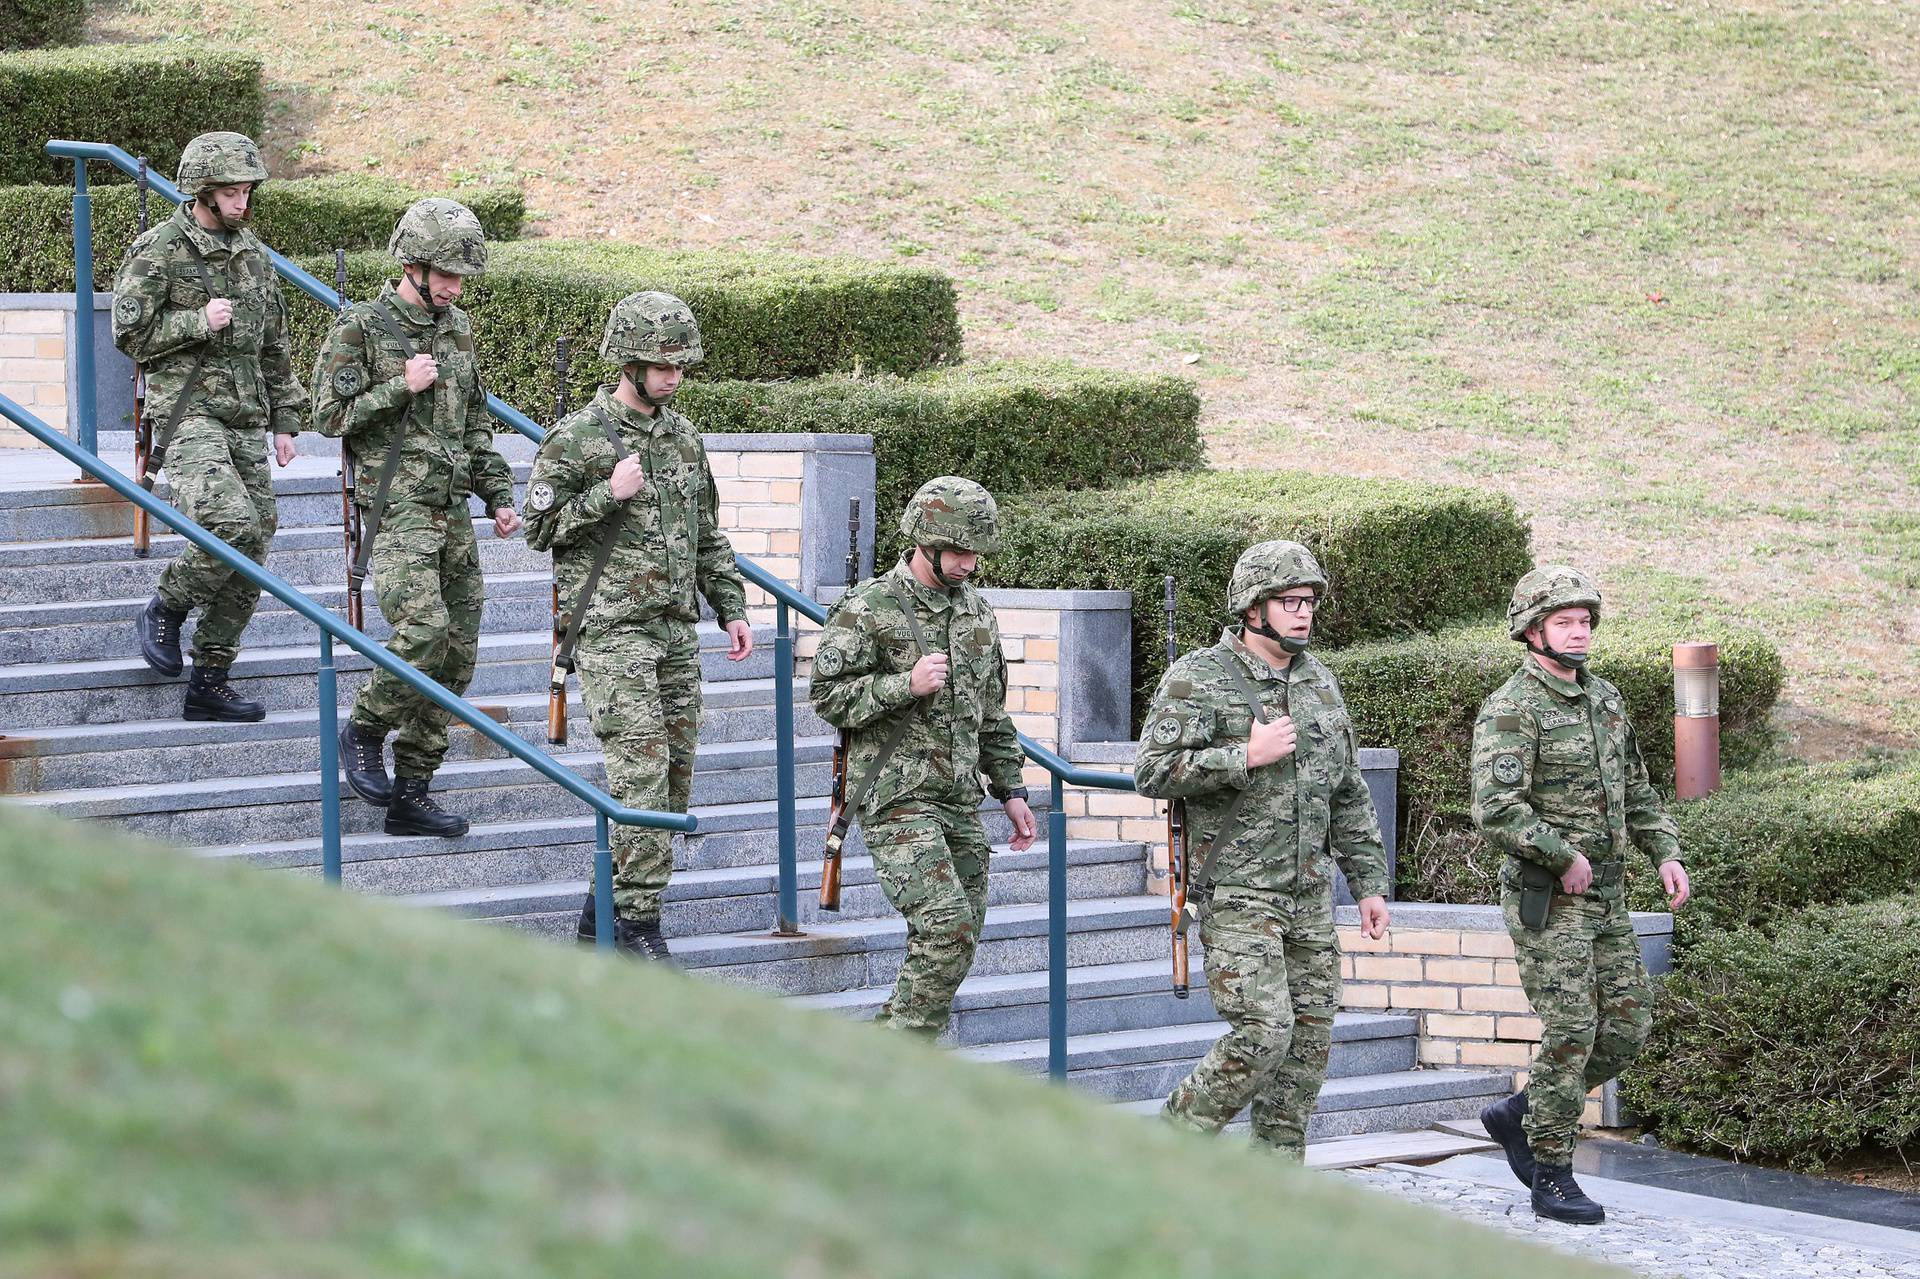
1441	916
1065	601
50	301
786	442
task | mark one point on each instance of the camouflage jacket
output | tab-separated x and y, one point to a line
1299	813
669	544
861	676
159	320
1557	770
360	394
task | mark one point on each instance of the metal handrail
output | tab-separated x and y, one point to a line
787	601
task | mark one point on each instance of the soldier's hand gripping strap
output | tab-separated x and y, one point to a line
1201	881
157	455
602	553
357	573
837	833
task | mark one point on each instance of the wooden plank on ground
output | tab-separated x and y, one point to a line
1392	1147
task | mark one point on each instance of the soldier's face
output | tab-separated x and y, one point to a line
1568	631
662	380
443	288
232	203
1293	620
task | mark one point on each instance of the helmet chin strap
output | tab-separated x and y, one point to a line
640	389
1572	661
420	287
934	556
212	206
1289	644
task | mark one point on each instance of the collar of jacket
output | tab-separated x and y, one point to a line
663	421
1566	690
1256	665
414	317
217	245
933	599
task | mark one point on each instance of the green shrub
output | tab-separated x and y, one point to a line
1798	1041
29	24
1775	840
762	315
1421	696
1012	427
150	100
295	215
1400	556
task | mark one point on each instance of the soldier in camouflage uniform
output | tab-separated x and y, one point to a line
1559	786
629	464
401	367
1253	734
910	666
197	304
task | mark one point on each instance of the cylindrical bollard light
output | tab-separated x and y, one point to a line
1696	720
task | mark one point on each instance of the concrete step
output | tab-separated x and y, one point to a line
51	694
278	806
744	899
1389	1102
150	752
1133	1065
846	955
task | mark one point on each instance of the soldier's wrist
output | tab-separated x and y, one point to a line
1008	794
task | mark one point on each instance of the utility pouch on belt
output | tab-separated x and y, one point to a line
1536	894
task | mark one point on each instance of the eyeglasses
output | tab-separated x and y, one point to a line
1297	603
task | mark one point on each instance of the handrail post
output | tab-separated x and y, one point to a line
602	885
329	764
783	767
1057	931
86	428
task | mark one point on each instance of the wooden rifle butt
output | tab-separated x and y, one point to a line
557	712
1182	972
830	875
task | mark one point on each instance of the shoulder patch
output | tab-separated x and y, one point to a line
540	495
829	662
1166	731
1507	769
349	380
1180	688
128	309
1507	724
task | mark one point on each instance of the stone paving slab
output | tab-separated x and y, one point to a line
1666	1234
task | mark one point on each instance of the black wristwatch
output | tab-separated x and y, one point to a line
1018	792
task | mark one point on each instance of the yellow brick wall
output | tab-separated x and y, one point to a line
760	513
33	369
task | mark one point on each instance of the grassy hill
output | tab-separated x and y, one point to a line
207	1072
1649	267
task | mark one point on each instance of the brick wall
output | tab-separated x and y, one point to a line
33	368
760	510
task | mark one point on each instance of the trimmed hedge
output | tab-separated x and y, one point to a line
1400	556
1421	696
1011	426
29	24
150	100
1773	841
295	215
1798	1042
762	315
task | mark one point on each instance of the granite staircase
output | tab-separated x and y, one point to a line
89	732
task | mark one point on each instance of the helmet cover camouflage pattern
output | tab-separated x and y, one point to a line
219	160
951	513
652	328
1267	568
1545	591
442	234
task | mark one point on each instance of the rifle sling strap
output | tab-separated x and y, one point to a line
157	455
389	468
1230	820
602	553
897	734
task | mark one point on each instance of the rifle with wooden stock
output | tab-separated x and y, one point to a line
841	818
562	659
1179	865
349	510
142	428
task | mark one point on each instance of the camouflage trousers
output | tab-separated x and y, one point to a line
218	475
641	684
1588	985
930	857
1275	980
426	575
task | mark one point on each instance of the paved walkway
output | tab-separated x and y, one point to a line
1660	1232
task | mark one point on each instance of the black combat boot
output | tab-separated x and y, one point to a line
1502	1122
158	628
209	696
365	759
640	938
588	933
413	812
1558	1197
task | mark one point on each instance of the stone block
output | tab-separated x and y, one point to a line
1416	941
1458	1026
1354	940
1359	996
1398	968
1486	945
1521	1026
1464	972
1424	998
1439	1052
1495	1054
1495	999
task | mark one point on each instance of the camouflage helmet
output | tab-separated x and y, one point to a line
219	160
1267	568
442	234
1545	591
952	514
652	328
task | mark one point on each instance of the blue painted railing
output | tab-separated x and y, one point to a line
787	601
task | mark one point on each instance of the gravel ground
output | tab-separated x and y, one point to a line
1668	1247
